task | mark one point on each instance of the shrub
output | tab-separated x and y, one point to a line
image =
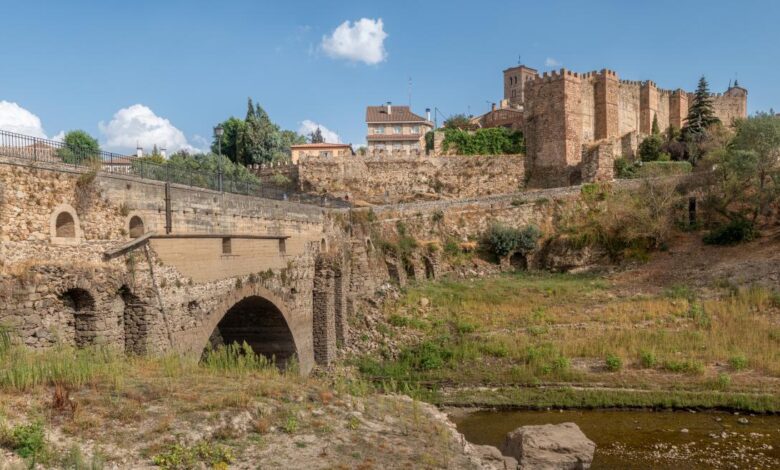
738	362
660	168
491	141
650	148
625	169
648	359
26	440
687	366
502	240
79	147
426	356
179	456
736	231
614	363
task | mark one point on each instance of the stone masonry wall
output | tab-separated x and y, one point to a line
380	180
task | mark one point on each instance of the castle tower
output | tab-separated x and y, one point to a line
678	108
606	97
515	80
648	106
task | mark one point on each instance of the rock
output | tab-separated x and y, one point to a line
743	421
491	457
684	430
424	302
550	446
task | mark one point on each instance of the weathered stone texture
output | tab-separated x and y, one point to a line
382	180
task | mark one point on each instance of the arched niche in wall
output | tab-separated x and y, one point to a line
64	226
136	226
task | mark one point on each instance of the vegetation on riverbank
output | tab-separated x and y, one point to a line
90	408
717	348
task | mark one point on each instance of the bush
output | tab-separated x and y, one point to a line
179	456
79	147
625	169
688	366
663	168
501	240
491	141
614	363
736	231
738	362
426	356
650	148
26	440
648	359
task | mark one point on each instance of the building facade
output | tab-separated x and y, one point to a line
396	129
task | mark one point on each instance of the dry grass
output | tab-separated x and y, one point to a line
526	328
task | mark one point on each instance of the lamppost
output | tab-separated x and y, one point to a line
218	131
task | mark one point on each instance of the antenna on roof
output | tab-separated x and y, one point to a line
410	93
519	60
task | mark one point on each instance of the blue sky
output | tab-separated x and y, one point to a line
76	64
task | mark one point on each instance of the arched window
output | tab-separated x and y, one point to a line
65	226
136	227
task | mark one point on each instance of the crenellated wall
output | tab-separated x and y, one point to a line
567	112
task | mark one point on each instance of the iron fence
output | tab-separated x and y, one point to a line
51	151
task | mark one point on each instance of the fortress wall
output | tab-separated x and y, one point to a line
663	109
730	105
587	109
629	108
379	180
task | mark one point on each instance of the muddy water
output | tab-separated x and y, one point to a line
648	439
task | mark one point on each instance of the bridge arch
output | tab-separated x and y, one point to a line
255	315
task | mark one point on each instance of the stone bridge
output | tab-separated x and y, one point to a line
88	258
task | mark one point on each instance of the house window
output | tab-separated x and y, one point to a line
415	129
397	129
379	130
227	246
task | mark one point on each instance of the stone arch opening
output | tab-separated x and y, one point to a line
135	322
136	227
323	246
81	305
258	322
430	271
409	269
65	225
369	245
392	271
518	261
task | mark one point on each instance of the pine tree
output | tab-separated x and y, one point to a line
701	114
316	137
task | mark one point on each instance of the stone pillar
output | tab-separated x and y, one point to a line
678	108
323	309
340	304
648	106
606	105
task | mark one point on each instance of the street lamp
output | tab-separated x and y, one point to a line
218	131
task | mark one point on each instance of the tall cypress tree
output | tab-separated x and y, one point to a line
316	136
701	114
655	129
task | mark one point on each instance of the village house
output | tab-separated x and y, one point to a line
323	149
396	129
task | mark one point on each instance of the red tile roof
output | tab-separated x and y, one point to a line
323	145
397	114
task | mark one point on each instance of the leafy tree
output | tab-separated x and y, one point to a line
761	135
316	136
701	114
502	240
459	121
651	148
79	147
290	138
232	139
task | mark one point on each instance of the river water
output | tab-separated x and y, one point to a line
648	439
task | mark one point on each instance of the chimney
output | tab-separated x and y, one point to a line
493	107
163	153
428	114
139	151
389	108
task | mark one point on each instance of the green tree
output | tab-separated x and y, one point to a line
232	143
79	148
655	129
701	114
761	135
263	142
459	121
316	136
651	148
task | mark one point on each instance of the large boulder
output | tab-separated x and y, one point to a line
550	446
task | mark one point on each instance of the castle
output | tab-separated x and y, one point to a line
577	123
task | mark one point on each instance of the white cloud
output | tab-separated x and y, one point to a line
59	136
14	118
550	62
307	127
363	41
138	125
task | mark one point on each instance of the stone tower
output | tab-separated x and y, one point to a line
515	79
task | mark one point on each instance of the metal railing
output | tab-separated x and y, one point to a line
51	151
